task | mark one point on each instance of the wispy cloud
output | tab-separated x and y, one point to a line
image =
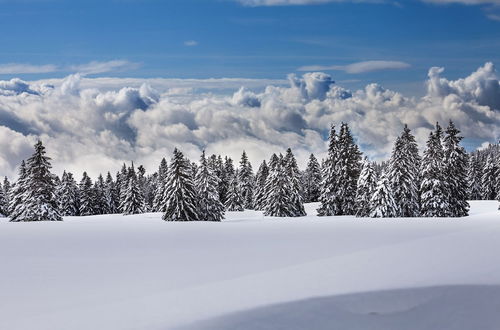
20	68
190	43
359	67
465	2
256	3
102	67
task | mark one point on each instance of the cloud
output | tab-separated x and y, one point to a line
96	124
20	68
256	3
359	67
465	2
190	43
103	67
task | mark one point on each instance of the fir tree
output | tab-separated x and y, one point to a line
180	198
367	183
133	202
4	206
122	184
17	194
278	202
329	199
111	195
433	190
234	200
455	172
40	199
293	176
246	181
68	198
209	206
86	193
6	190
489	178
382	204
474	178
312	180
223	179
160	186
260	187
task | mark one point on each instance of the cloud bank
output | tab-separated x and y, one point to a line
96	124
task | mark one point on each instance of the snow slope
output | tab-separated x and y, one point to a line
251	272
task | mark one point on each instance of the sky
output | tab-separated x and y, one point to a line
125	80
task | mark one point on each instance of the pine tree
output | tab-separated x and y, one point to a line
293	176
489	178
40	199
17	197
133	202
278	202
260	187
329	198
209	206
474	174
382	204
246	181
68	198
234	200
367	183
180	199
312	180
455	172
86	193
433	190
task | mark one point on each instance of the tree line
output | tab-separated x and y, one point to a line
408	185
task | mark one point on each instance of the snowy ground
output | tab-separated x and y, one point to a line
251	272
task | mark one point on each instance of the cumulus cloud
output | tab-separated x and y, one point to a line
95	125
358	67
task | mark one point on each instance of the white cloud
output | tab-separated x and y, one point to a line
97	124
190	43
255	3
21	68
103	67
359	67
465	2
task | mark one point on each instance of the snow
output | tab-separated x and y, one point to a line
252	272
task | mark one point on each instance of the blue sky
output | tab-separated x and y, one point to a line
225	38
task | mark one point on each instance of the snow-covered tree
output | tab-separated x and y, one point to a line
329	197
260	193
160	186
101	207
4	205
474	174
234	200
433	190
6	191
293	175
278	188
133	202
312	180
382	204
111	197
489	178
180	198
86	193
455	172
68	199
209	206
367	183
17	194
39	197
246	181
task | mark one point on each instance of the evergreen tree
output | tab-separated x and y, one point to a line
329	197
312	180
223	179
160	186
3	203
6	191
382	204
111	195
489	178
260	187
293	175
433	190
40	199
122	184
17	194
246	181
367	183
278	202
209	206
86	193
133	202
474	178
455	172
68	198
180	198
234	200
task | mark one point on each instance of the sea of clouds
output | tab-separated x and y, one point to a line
96	124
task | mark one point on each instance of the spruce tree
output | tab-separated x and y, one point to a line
180	198
329	197
455	172
133	202
474	174
312	180
17	196
489	178
3	203
367	183
246	181
234	200
209	206
223	179
68	198
278	188
382	204
160	186
433	190
260	187
293	176
111	195
40	200
6	190
86	194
